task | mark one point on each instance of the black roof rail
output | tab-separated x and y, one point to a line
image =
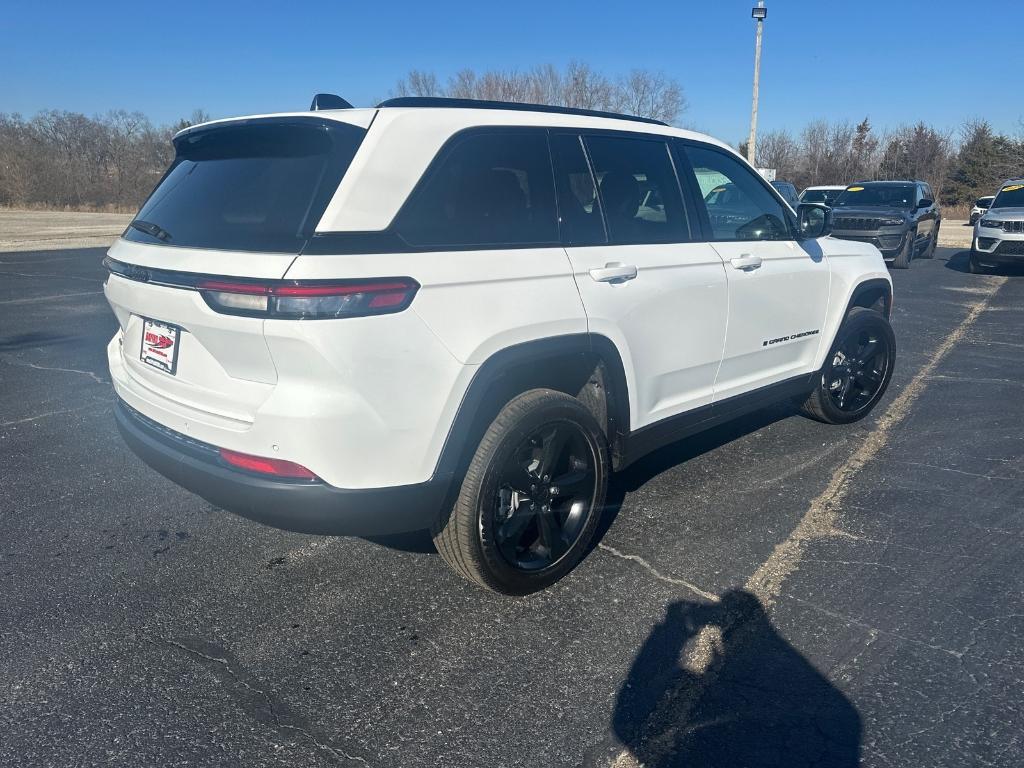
438	101
328	101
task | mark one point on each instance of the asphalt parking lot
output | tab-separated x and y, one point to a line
776	592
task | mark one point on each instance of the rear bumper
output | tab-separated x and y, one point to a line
306	507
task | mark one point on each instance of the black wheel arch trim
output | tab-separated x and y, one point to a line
495	382
869	287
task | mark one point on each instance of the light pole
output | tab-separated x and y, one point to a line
759	13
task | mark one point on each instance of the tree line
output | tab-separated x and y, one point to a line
111	162
640	92
68	160
960	167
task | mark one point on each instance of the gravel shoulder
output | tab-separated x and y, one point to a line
48	230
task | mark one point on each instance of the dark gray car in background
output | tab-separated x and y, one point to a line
900	218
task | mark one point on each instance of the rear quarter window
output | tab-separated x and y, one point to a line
259	186
487	189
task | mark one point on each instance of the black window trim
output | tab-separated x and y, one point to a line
689	208
705	220
389	240
563	237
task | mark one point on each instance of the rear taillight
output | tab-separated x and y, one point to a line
288	299
274	467
310	301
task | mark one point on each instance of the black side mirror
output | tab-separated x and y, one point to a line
925	203
814	220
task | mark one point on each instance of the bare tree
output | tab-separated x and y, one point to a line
69	160
917	152
779	150
418	83
649	94
641	92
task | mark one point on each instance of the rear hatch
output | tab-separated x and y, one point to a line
237	204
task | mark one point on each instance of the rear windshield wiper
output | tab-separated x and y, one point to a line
151	229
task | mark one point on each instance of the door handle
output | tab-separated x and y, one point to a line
746	262
614	272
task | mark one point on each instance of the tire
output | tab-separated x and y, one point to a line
974	266
868	378
497	536
906	254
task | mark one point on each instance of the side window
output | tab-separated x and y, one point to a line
579	210
738	204
488	189
638	190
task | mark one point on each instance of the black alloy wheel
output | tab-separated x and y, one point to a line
857	369
546	492
532	497
859	366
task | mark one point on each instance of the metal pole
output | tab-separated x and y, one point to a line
752	140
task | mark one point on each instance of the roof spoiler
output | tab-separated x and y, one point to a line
328	101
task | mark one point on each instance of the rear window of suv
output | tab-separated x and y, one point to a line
255	186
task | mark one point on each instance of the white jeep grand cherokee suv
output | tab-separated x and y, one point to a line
463	316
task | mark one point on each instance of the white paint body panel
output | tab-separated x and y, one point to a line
668	323
368	402
788	294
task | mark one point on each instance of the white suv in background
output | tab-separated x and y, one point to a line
463	316
999	233
825	194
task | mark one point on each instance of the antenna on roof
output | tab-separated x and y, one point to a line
328	101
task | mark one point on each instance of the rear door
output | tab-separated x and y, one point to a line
778	288
647	282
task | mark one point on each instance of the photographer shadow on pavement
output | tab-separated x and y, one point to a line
716	685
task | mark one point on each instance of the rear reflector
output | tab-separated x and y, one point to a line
265	466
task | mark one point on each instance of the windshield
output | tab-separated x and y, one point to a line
258	186
819	195
877	195
1010	196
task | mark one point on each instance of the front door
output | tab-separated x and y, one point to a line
778	287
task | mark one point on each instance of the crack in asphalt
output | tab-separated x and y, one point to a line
336	753
959	471
47	414
657	574
25	364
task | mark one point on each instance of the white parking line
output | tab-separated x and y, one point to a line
819	522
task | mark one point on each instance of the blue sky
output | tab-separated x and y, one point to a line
895	62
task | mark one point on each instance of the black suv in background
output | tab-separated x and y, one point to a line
900	218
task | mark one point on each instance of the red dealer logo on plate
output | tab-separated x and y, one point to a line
160	345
